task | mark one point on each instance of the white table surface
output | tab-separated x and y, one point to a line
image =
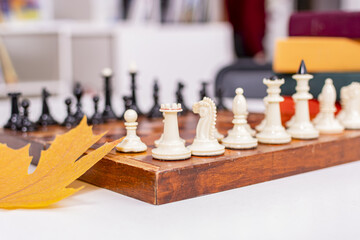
323	204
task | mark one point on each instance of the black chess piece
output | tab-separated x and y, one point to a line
25	124
15	118
108	113
127	105
203	92
154	111
220	100
70	120
97	118
180	98
78	93
45	118
134	105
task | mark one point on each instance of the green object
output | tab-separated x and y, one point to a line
316	84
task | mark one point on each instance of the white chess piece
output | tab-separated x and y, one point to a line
351	119
131	143
171	147
247	127
318	117
273	132
290	122
218	135
239	137
205	143
327	123
156	142
292	119
302	128
262	124
344	98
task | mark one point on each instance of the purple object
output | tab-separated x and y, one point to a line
325	24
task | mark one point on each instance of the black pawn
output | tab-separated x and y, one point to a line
220	100
154	112
302	68
78	93
14	119
97	118
127	105
180	98
70	120
108	113
45	118
134	105
25	124
203	92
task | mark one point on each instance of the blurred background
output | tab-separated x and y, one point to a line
55	43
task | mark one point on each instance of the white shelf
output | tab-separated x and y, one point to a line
187	52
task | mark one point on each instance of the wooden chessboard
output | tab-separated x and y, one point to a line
158	182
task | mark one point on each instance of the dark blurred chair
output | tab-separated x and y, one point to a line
244	73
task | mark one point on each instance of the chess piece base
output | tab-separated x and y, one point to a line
303	131
171	153
273	136
248	144
331	126
133	144
239	141
248	129
46	120
352	124
206	148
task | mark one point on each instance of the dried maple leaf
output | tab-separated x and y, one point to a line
58	166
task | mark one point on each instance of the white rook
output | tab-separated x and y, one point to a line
171	146
273	132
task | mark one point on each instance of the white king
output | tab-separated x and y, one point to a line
302	128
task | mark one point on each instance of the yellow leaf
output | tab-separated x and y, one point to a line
58	166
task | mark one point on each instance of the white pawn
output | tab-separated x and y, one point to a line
239	137
327	123
351	119
302	128
131	143
247	127
205	142
171	146
273	132
344	98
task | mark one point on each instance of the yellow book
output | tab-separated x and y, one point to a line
321	54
